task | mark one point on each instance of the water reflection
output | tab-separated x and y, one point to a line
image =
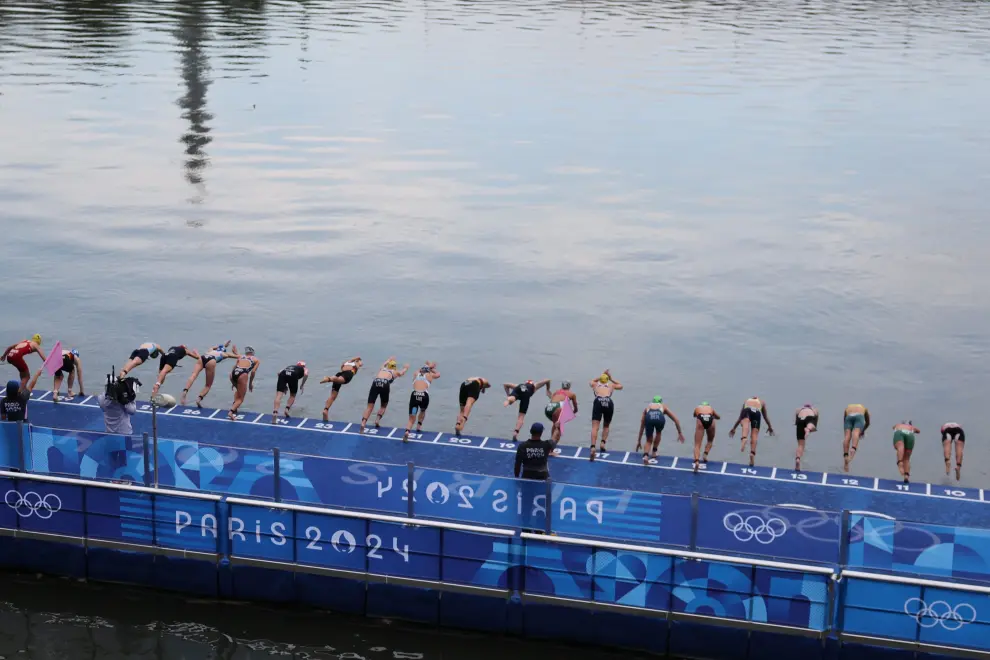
190	34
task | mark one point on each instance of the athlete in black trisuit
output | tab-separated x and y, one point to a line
705	424
471	390
953	435
242	378
290	380
522	393
71	365
342	377
603	408
169	360
419	398
380	389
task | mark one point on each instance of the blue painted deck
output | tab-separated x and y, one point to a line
622	470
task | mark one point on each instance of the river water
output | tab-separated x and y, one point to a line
713	199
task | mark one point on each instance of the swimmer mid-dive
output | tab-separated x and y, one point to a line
904	436
806	421
381	388
208	362
419	398
653	420
953	434
562	397
855	421
292	379
170	360
749	417
705	417
71	365
139	356
522	393
347	371
15	354
602	409
468	395
242	379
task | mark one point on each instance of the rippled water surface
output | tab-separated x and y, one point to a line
713	199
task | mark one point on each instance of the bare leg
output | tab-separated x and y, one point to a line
278	402
899	449
605	436
853	447
330	400
419	422
846	435
907	464
288	404
520	419
744	438
381	413
130	364
595	424
465	414
58	383
959	456
798	455
754	435
191	381
211	372
367	413
239	392
699	435
25	378
656	442
555	430
947	453
711	441
72	380
409	425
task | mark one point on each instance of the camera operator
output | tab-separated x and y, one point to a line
117	404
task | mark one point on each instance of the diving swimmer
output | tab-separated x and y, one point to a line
749	417
170	360
71	365
603	408
242	379
653	420
705	417
953	434
522	393
342	377
380	389
558	400
139	356
292	379
855	421
15	354
208	362
468	395
904	436
419	398
806	421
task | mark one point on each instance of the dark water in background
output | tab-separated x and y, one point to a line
714	199
44	619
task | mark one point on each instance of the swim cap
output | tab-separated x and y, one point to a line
565	384
75	351
536	428
300	364
425	369
808	405
603	378
36	338
529	382
249	350
658	399
218	348
391	364
12	387
705	403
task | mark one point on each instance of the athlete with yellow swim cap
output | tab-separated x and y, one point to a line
380	389
603	408
15	353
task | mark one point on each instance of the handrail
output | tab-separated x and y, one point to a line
688	554
109	484
302	508
918	582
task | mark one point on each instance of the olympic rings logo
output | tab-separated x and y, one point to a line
32	504
749	528
940	613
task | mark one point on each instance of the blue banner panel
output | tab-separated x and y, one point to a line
10	439
190	465
948	617
790	598
712	589
8	516
481	499
119	515
555	569
47	507
332	541
919	549
185	523
261	533
621	514
877	609
404	550
479	559
87	454
343	483
733	527
636	579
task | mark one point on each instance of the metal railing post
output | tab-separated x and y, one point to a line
146	449
410	489
277	487
154	448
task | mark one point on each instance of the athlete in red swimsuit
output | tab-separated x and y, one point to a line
15	353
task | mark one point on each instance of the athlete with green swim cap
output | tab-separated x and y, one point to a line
652	422
705	417
904	436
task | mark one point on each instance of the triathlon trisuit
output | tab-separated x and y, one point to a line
346	375
752	411
381	387
216	356
906	436
802	424
68	364
172	357
419	400
470	389
602	409
16	356
855	417
523	393
554	406
655	421
145	351
953	431
240	371
706	419
288	379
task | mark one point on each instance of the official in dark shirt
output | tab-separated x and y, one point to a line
13	406
533	454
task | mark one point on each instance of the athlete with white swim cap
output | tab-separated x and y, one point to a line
953	434
289	382
752	410
347	371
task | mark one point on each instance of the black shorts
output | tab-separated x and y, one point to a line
802	426
237	373
419	401
753	416
206	359
522	395
954	433
706	420
172	357
68	365
380	387
287	383
470	389
140	353
602	409
346	375
654	426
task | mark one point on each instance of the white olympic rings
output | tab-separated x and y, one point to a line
32	504
940	613
765	531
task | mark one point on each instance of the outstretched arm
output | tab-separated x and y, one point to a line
866	416
508	387
3	358
738	420
642	429
34	381
542	383
670	413
82	389
715	414
41	353
763	411
402	372
193	353
302	385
